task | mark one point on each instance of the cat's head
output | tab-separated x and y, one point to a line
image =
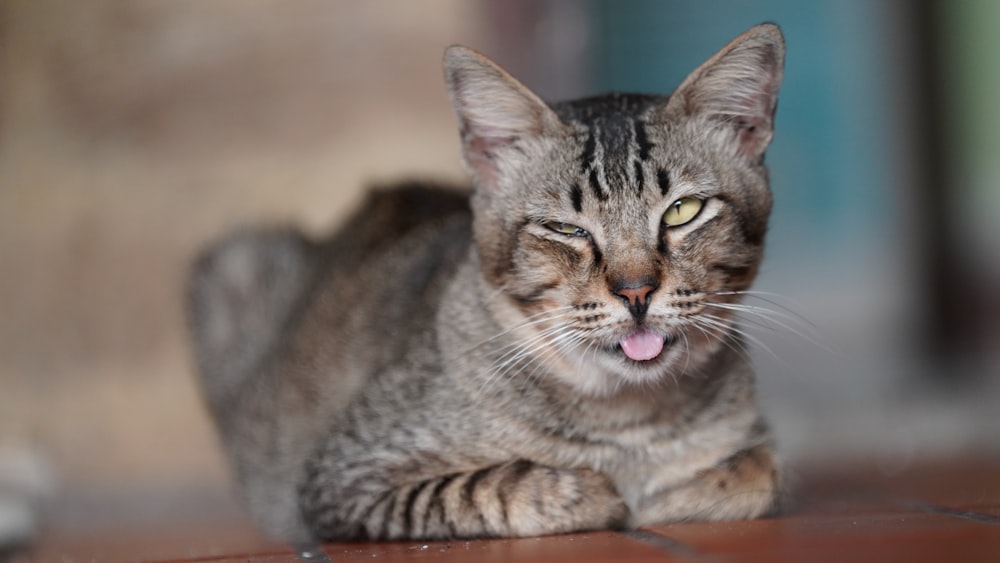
610	225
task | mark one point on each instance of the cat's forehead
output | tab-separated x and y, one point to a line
615	145
616	131
607	109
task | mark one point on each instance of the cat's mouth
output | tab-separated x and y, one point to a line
644	345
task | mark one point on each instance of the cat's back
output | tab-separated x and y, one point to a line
400	240
388	217
266	296
385	268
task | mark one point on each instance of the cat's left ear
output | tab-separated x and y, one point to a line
738	86
495	112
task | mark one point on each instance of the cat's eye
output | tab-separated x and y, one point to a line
682	211
566	229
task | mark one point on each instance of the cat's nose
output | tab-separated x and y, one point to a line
636	296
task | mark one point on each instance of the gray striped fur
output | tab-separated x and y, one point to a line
449	367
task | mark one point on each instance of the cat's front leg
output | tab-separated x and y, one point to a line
746	485
514	499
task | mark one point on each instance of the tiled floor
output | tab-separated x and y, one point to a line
933	511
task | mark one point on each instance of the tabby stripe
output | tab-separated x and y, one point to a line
598	256
577	195
366	515
535	295
663	179
731	272
661	245
469	488
587	159
388	515
595	185
639	184
515	472
468	493
411	500
436	503
752	233
642	140
588	163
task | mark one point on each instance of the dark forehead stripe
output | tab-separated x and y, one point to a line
588	111
612	121
588	165
577	196
639	180
595	185
616	144
642	140
587	158
663	179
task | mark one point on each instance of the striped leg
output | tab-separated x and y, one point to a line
513	499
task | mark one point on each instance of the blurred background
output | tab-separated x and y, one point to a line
131	133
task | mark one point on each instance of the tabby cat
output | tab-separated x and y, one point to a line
555	352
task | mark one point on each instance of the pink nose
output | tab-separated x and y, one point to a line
635	295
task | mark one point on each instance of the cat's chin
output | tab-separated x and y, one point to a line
612	371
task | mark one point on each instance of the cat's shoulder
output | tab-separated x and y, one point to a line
389	213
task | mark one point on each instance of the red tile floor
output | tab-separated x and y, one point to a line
932	511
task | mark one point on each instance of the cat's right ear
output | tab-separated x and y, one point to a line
738	87
495	113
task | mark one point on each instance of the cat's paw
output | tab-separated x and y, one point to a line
746	485
553	501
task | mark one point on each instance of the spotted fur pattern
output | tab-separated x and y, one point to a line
448	366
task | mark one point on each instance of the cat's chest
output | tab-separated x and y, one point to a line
641	456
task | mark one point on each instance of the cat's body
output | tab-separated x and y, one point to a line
556	356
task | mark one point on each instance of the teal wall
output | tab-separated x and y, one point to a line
833	163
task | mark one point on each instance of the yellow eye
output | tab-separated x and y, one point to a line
566	229
682	211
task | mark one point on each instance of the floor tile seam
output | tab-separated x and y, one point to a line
665	544
933	508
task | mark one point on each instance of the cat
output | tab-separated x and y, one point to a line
553	352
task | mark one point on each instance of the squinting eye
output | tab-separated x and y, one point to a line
566	229
682	211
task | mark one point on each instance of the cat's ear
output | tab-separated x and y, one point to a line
738	86
495	111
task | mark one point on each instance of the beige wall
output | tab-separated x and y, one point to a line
130	134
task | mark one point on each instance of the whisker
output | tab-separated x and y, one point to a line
531	320
724	337
516	354
556	345
760	310
687	357
731	327
523	354
776	318
771	298
512	348
515	342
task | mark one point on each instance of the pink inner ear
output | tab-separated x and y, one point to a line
754	134
480	156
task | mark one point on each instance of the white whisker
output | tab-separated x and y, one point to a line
722	336
521	355
771	298
782	320
531	320
727	325
687	357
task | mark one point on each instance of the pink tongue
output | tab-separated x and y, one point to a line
642	345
